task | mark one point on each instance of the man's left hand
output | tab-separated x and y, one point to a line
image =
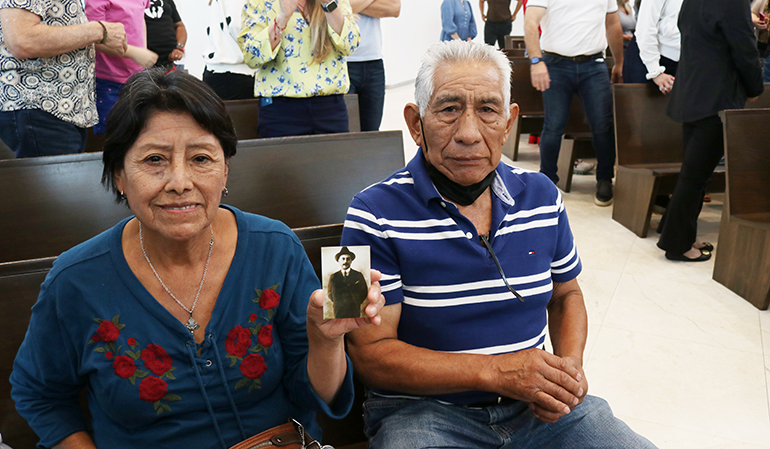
617	74
550	417
175	55
336	328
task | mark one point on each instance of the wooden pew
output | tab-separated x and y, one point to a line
244	114
649	154
742	261
514	42
51	204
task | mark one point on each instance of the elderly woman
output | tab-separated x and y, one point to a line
298	48
457	20
188	323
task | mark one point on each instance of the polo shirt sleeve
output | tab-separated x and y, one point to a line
612	6
364	227
39	7
566	264
540	3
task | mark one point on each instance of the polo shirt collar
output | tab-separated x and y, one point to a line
505	186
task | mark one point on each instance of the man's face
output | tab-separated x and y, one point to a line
465	124
344	261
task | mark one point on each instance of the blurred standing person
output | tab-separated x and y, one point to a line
719	68
760	11
457	20
225	71
498	21
166	34
47	67
627	18
658	38
112	69
365	66
298	48
569	60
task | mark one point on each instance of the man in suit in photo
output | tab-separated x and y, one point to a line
347	287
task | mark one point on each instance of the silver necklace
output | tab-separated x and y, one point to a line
191	324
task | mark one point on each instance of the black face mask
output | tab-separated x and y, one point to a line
454	192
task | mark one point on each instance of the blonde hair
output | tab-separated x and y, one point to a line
320	41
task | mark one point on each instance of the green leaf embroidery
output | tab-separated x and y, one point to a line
275	287
134	355
168	375
157	405
116	320
171	398
141	373
90	342
242	383
270	314
98	320
111	346
120	326
255	386
100	350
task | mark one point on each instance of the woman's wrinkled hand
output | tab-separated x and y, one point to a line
336	328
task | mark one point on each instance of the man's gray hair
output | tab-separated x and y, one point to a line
458	51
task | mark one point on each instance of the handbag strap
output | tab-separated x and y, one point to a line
290	435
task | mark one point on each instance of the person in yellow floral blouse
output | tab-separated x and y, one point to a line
298	48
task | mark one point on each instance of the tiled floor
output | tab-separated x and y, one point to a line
680	358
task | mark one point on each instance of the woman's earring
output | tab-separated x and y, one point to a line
122	195
225	192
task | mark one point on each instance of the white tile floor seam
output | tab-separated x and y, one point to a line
680	358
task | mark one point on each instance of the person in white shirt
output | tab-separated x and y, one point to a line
569	59
225	71
658	38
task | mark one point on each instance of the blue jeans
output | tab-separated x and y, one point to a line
367	79
34	132
591	82
285	116
426	423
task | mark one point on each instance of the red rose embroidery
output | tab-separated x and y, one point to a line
152	389
107	331
109	354
253	317
238	341
96	338
269	299
265	335
131	341
156	359
124	366
253	366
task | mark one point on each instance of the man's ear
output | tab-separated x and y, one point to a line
412	118
514	113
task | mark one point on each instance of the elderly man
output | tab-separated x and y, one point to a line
477	259
47	74
568	59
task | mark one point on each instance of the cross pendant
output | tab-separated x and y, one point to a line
191	325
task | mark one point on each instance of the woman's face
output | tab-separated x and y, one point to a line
173	176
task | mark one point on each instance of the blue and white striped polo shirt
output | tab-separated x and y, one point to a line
433	262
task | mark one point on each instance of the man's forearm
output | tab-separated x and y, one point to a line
26	37
181	34
615	38
568	321
381	8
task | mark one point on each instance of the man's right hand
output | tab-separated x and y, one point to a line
116	37
554	385
540	79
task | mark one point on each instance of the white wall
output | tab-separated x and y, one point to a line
405	38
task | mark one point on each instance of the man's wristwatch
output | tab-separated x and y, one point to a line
535	60
329	7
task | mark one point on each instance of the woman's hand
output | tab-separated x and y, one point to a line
336	328
142	56
758	22
665	82
287	9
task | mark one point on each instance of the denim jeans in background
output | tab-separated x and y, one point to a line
34	133
591	82
397	423
367	80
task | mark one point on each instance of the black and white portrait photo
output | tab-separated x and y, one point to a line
346	279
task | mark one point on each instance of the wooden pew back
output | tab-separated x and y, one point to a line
747	160
51	204
644	133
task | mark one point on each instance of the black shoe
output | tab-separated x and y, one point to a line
704	256
603	193
706	247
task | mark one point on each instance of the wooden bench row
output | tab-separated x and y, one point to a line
51	204
649	153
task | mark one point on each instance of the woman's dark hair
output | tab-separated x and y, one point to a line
151	91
